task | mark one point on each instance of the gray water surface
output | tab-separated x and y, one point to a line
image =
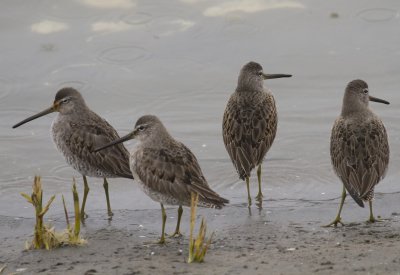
179	60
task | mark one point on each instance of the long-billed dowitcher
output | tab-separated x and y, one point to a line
76	131
249	123
168	172
359	147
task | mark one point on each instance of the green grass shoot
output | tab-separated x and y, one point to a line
45	236
73	234
197	247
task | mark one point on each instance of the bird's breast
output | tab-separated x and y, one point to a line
135	154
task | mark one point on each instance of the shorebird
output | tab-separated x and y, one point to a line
76	131
249	123
359	147
167	171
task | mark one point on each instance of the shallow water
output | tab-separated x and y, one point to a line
179	60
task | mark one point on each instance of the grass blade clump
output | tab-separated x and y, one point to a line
73	234
44	235
197	247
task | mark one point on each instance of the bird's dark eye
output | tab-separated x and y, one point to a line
65	100
260	73
141	128
365	91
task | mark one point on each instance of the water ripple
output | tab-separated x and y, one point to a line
69	76
79	85
378	15
138	18
169	25
60	169
123	55
68	10
239	26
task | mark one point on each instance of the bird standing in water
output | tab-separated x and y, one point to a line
249	123
167	171
359	147
76	131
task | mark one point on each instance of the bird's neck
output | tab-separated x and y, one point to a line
352	107
249	85
159	139
78	112
356	110
245	89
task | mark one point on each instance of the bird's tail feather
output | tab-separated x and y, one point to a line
355	197
209	197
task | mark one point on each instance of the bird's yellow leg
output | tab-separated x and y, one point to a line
164	219
105	185
338	219
177	232
372	219
85	194
260	196
248	191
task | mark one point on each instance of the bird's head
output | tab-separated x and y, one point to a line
67	101
357	96
252	76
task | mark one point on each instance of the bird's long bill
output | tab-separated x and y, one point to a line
374	99
42	113
272	76
129	136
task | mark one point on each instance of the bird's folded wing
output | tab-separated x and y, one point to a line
174	172
360	157
248	134
86	136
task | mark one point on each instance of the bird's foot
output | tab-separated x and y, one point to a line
259	200
176	234
249	202
374	220
155	242
84	216
110	213
335	222
162	241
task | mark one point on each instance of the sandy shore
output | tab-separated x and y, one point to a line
277	240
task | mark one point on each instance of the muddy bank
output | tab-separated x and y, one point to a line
278	240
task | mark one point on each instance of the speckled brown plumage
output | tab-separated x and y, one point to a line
359	146
77	136
360	154
167	171
250	122
76	131
249	128
169	174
